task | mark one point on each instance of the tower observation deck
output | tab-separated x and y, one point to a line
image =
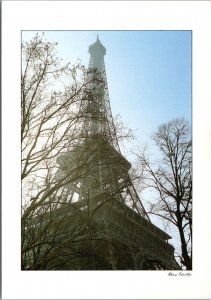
119	234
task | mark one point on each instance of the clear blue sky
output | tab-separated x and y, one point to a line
148	72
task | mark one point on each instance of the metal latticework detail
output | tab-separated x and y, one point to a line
97	124
99	184
95	111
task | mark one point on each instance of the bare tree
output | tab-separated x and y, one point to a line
51	95
171	177
55	156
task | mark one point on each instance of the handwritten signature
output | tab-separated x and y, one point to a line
185	274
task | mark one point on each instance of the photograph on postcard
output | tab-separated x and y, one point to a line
106	150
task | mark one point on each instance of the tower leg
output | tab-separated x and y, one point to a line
112	257
138	261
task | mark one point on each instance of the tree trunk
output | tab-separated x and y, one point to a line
187	261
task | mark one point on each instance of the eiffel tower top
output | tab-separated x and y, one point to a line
97	52
97	48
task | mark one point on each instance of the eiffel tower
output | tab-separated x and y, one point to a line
120	235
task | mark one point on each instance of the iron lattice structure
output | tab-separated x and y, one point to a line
122	236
